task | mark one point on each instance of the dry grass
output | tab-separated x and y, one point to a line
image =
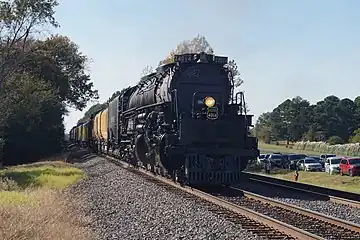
33	204
48	215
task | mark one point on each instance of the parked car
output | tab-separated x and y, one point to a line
261	158
286	159
309	164
277	160
293	160
332	165
320	160
325	156
350	166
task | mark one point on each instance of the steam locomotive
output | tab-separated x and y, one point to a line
184	121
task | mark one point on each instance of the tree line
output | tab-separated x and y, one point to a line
194	45
40	78
332	120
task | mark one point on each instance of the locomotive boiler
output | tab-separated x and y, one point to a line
185	120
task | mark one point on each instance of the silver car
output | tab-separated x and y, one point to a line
309	164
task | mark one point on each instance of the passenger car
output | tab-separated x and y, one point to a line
350	166
294	158
332	165
277	159
261	158
309	164
323	157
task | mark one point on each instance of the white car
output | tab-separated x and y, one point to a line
332	165
309	164
261	159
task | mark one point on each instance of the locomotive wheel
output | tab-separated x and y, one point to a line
141	149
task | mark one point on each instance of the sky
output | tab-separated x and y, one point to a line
283	48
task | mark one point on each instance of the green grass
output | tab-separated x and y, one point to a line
16	182
265	148
345	183
15	198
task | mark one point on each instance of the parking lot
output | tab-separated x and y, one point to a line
327	163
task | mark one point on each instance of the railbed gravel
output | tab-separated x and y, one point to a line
337	210
122	205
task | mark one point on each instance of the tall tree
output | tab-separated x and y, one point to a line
147	70
200	44
31	119
20	20
263	127
38	79
58	61
299	118
332	118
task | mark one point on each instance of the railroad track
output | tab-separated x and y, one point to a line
252	215
333	195
323	226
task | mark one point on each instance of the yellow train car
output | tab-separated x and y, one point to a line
85	132
78	133
95	128
82	132
104	123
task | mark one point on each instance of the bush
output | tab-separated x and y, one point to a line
350	149
355	137
335	140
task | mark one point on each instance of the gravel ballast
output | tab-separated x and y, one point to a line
122	205
337	210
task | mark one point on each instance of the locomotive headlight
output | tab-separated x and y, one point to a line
210	101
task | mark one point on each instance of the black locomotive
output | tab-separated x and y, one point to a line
186	121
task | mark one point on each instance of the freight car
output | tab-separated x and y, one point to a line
184	120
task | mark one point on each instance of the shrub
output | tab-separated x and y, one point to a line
335	140
350	149
355	137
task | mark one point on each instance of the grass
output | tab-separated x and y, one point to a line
283	149
34	205
336	181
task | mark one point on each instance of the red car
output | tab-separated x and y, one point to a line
350	166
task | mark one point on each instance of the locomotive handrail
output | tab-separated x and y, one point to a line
197	92
176	104
242	101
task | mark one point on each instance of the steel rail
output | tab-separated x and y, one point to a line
336	221
280	227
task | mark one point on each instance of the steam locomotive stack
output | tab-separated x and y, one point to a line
183	120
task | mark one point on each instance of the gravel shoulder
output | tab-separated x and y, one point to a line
337	210
122	205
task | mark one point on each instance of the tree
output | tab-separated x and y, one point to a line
147	70
200	44
94	109
99	107
38	80
335	140
235	73
355	138
31	120
58	61
263	127
195	45
327	120
20	20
